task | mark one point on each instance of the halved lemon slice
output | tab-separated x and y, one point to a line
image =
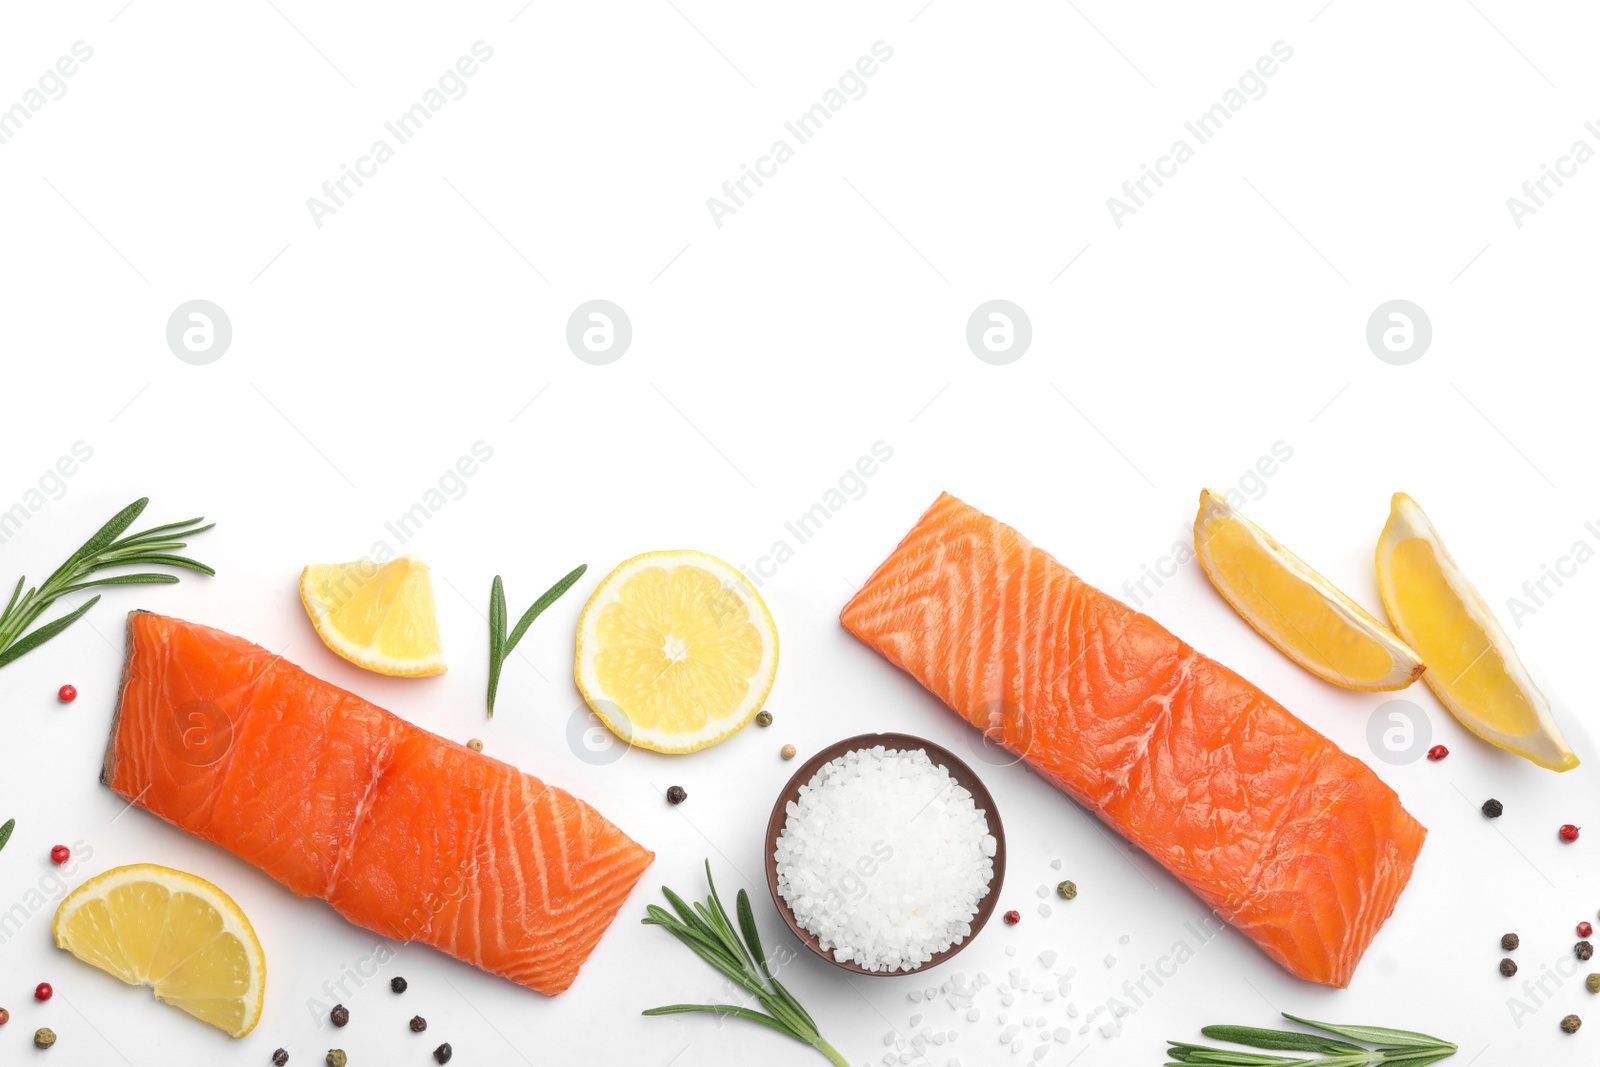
676	651
378	617
1309	619
1471	664
176	933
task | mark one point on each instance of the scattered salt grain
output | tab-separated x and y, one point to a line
1111	961
1055	864
888	1037
1011	950
1040	1053
1042	892
931	993
915	1020
1016	1046
1048	957
1063	1035
974	1015
889	1057
870	805
1044	910
1124	939
1048	995
914	995
1072	1011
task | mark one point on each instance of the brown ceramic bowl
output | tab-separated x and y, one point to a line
963	776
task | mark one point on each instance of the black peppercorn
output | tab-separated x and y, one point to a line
1508	967
1509	942
280	1057
676	795
1493	808
339	1015
397	984
418	1024
1570	1024
1583	950
443	1053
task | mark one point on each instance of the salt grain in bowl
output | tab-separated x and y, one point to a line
884	858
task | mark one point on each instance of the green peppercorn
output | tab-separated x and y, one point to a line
44	1037
337	1058
1570	1024
1067	890
764	718
1592	983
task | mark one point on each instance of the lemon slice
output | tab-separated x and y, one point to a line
178	934
676	651
380	618
1308	618
1471	664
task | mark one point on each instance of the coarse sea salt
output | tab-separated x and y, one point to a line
884	858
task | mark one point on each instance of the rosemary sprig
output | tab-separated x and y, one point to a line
501	644
5	831
153	547
1400	1048
709	933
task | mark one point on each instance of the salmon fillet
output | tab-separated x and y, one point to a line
405	833
1296	844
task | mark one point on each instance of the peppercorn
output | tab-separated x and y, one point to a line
43	991
337	1058
418	1024
1509	942
1584	929
340	1015
67	694
60	854
443	1053
1570	1024
1012	918
44	1037
1508	967
280	1057
676	795
5	1016
1067	890
397	984
1592	983
787	751
475	745
1437	753
763	718
1583	950
1493	808
1568	833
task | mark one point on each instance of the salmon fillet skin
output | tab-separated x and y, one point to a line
405	833
1296	844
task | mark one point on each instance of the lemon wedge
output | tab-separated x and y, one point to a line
1304	615
378	617
676	651
1471	664
178	934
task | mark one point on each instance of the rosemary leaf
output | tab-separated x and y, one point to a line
103	551
709	933
1376	1035
502	644
5	831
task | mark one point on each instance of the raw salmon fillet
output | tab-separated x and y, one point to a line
405	833
1286	837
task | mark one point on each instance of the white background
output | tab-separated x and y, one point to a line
827	314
